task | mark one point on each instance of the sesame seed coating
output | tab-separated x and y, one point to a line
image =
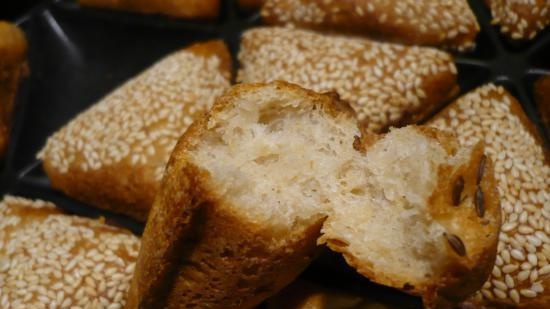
523	176
52	260
386	84
119	147
443	23
520	19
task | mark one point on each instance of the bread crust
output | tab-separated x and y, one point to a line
178	8
520	20
371	76
126	186
513	144
410	22
54	258
461	275
13	67
196	252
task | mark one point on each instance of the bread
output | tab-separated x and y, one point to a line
250	4
177	8
449	24
52	260
542	96
521	275
520	20
306	295
113	155
387	85
13	65
249	185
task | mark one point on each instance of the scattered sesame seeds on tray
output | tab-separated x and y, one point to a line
78	55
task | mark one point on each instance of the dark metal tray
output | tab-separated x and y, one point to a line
77	55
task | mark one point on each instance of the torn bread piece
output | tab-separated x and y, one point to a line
113	155
520	19
386	84
13	66
177	8
449	24
521	275
51	259
249	186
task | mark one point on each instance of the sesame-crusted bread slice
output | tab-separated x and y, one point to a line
249	186
177	8
449	24
52	260
542	95
521	275
113	155
13	65
386	84
520	19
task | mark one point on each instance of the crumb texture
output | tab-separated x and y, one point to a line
521	275
386	84
52	260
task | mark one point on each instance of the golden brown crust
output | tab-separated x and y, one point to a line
177	8
520	20
197	253
462	275
386	84
51	253
520	277
542	95
124	184
411	22
13	66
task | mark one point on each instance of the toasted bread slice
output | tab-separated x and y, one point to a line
521	275
49	259
386	84
249	186
113	155
520	20
13	65
449	24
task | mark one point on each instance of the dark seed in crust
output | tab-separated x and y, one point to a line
480	203
456	243
481	169
457	190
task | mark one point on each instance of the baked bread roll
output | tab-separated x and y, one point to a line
542	96
306	295
449	24
521	275
520	20
52	260
387	85
249	185
176	8
13	65
113	155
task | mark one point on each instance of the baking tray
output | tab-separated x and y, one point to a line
77	55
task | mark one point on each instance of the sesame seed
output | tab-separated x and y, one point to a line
520	19
377	79
49	256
